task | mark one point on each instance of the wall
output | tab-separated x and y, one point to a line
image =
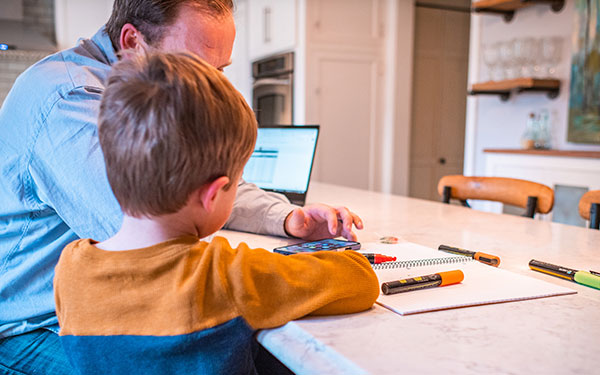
79	19
402	67
239	72
492	123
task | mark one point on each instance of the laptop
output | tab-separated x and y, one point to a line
282	160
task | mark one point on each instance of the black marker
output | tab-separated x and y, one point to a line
422	282
490	260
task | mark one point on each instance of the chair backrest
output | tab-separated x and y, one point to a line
589	208
521	193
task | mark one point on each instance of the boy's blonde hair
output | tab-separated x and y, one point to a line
169	123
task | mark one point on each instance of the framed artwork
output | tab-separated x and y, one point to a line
584	100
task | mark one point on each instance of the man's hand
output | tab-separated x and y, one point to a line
318	221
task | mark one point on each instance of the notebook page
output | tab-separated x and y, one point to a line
405	251
482	284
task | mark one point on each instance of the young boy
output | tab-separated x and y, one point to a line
154	298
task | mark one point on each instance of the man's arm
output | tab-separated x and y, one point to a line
67	167
258	211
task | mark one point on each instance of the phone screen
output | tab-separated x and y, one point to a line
320	245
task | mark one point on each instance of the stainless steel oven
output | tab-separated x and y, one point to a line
272	93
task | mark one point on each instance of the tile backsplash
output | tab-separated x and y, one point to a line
39	14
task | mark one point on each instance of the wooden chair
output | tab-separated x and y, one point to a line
532	196
589	208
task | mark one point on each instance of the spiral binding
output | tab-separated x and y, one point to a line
421	262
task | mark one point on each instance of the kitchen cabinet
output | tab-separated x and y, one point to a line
343	77
347	22
272	26
344	88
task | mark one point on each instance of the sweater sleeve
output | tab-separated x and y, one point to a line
259	211
271	289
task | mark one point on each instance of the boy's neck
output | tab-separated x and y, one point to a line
136	233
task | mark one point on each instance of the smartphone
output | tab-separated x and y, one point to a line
320	245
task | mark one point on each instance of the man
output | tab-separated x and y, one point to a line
53	186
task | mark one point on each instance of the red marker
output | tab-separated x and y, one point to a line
378	258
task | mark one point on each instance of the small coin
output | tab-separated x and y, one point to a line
389	240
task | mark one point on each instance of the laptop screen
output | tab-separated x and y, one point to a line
282	158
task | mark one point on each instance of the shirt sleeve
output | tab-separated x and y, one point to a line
258	211
271	289
67	167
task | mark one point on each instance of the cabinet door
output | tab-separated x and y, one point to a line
343	96
354	22
272	27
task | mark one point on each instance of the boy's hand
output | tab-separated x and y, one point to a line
318	221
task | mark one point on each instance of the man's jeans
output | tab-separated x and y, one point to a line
40	352
36	352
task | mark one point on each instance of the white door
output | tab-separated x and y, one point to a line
342	95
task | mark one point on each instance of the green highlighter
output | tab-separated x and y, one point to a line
587	278
591	279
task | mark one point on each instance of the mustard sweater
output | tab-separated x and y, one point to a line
186	304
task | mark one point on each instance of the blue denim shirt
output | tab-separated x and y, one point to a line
53	184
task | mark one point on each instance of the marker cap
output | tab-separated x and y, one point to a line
451	277
383	258
589	279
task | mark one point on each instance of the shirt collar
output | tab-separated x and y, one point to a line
102	40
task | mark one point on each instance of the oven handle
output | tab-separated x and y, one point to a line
271	81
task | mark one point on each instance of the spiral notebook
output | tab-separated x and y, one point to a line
482	284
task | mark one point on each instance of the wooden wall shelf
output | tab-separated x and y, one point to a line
563	153
518	85
507	8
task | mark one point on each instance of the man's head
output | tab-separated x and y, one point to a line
171	125
204	27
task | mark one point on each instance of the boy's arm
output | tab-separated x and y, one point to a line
271	289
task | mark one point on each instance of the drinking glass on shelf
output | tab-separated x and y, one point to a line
507	58
490	59
525	56
536	58
551	53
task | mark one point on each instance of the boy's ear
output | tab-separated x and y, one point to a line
208	192
131	38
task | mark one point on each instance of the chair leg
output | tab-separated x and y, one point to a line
595	216
531	206
446	194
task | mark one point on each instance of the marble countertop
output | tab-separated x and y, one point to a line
548	335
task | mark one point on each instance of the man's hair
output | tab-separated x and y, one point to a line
169	123
151	17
